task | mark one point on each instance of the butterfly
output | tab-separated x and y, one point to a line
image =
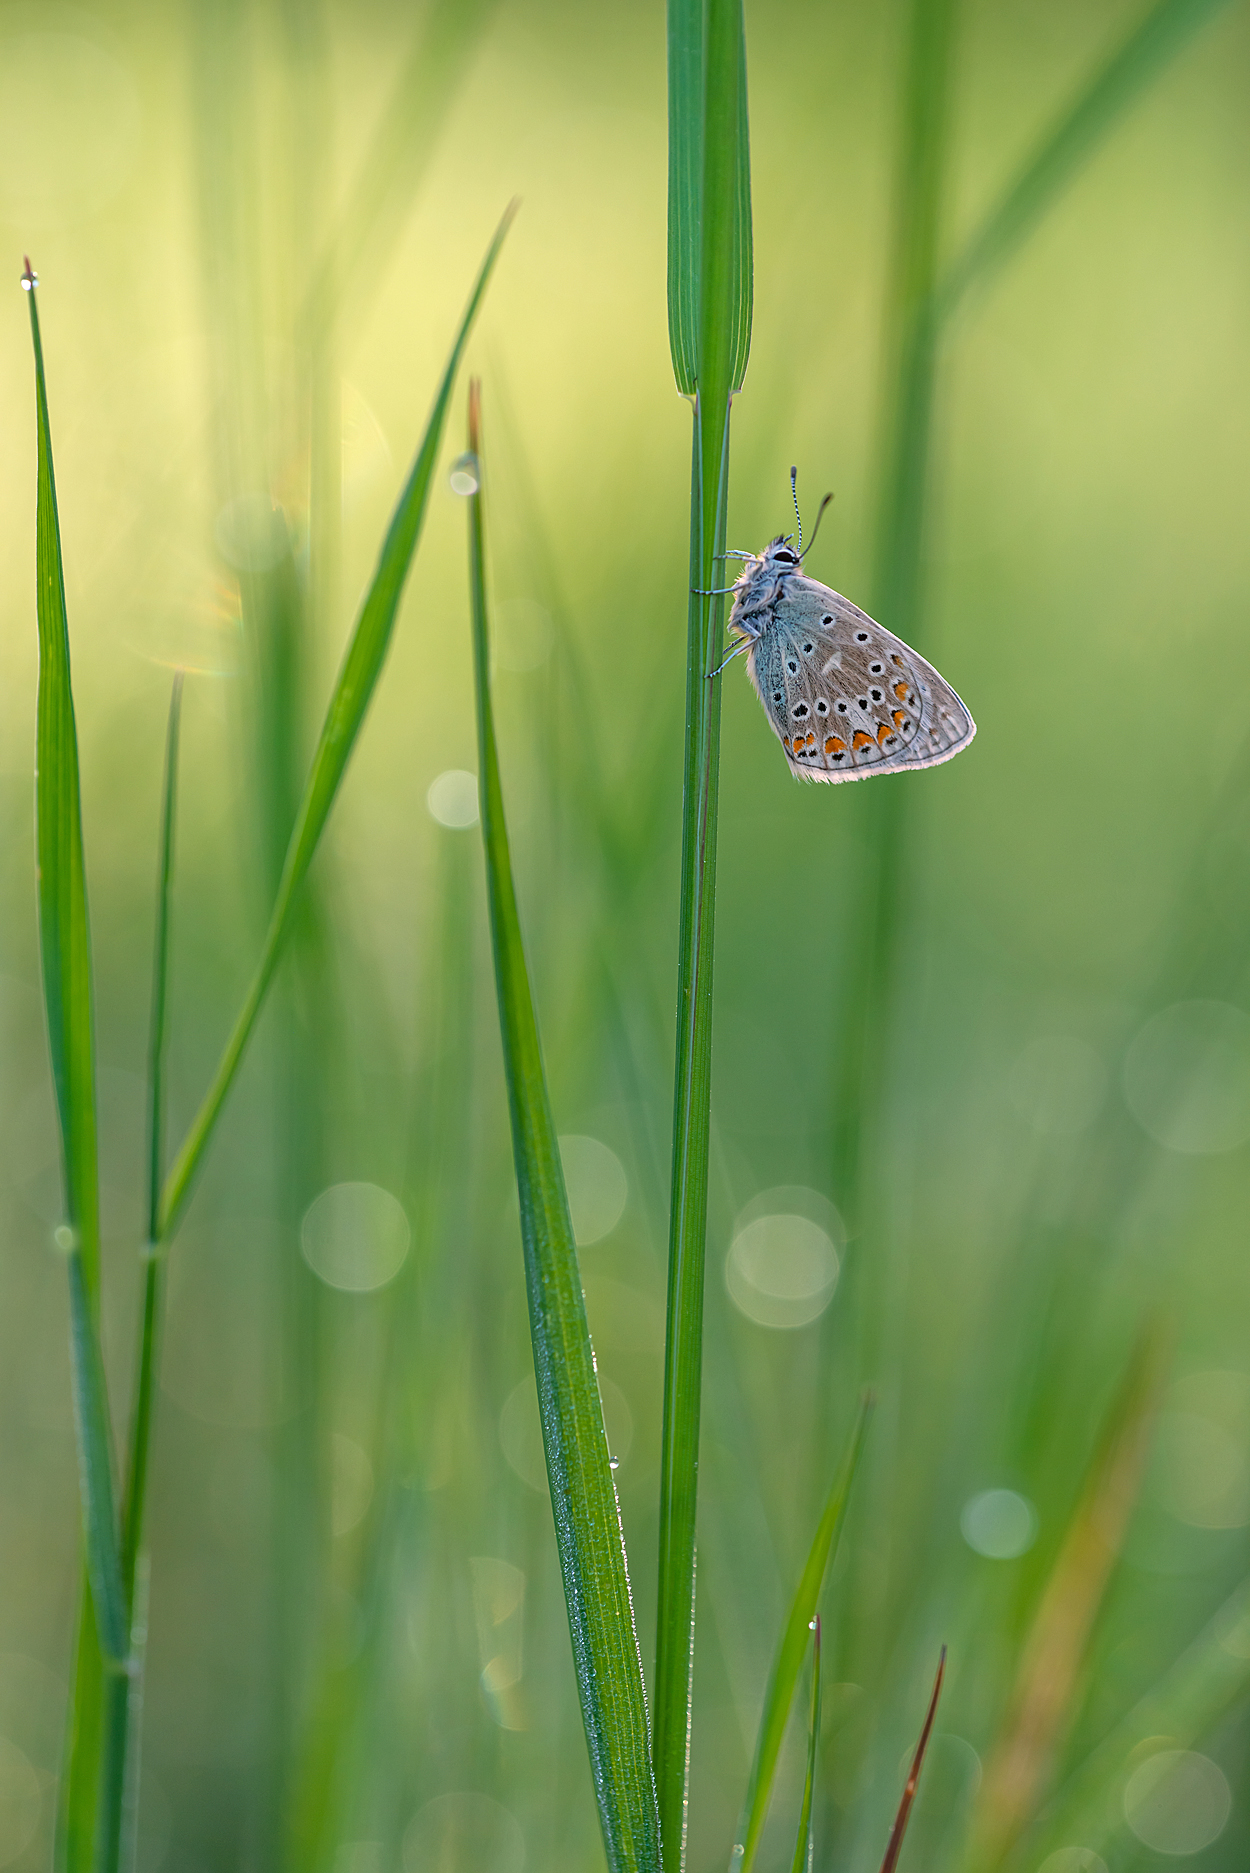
845	698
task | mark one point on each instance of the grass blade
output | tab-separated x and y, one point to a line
1139	58
583	1493
353	689
65	947
97	1713
685	179
894	1845
784	1677
722	249
805	1843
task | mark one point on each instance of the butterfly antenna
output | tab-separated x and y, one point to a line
794	496
815	530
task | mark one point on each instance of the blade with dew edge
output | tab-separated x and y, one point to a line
719	245
589	1540
894	1846
784	1676
349	703
805	1842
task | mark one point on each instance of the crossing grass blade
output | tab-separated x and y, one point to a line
349	703
805	1843
97	1712
784	1677
591	1547
710	269
1145	51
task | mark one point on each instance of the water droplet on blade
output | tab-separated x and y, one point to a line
465	476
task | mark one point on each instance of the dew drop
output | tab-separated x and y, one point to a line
465	477
614	1463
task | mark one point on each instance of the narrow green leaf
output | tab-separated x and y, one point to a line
805	1841
353	689
685	181
98	1705
1140	57
708	131
784	1676
65	946
722	292
583	1493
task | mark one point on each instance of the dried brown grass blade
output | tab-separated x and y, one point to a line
895	1844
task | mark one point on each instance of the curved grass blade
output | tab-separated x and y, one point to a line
711	117
583	1494
1145	52
784	1677
894	1846
805	1843
353	689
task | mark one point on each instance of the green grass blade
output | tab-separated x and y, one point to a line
116	1770
805	1843
160	961
784	1677
685	163
707	111
353	689
1139	58
724	300
65	946
583	1493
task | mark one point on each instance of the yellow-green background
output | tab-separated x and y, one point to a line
176	174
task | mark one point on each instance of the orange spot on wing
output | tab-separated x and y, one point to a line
899	718
885	733
900	690
785	742
834	746
860	740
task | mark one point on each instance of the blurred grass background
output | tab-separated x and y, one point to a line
358	1652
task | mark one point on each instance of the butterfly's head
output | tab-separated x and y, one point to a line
780	552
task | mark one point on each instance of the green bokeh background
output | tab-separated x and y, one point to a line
176	176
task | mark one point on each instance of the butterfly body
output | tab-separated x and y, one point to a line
845	698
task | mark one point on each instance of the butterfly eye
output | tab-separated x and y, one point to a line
861	637
776	695
807	650
841	708
828	618
822	707
875	694
863	702
791	664
876	668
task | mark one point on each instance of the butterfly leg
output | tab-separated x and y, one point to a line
735	652
717	591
